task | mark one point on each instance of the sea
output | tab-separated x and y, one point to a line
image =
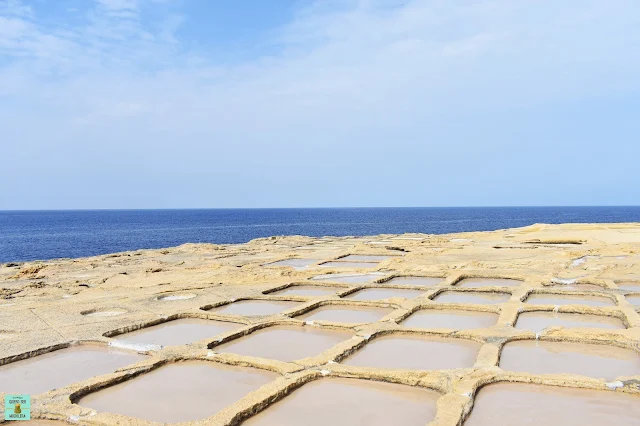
42	235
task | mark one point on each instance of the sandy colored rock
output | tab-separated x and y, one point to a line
96	301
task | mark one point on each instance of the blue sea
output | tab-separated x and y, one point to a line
32	235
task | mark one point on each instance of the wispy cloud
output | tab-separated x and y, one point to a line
357	43
341	71
15	8
119	5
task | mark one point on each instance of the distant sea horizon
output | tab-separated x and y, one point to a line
48	234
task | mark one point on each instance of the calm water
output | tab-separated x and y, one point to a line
29	235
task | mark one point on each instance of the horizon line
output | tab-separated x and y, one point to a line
308	208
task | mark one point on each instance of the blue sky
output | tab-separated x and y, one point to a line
303	103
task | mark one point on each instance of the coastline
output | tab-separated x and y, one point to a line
47	235
48	305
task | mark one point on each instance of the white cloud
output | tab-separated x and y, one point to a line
368	45
15	8
341	72
13	29
119	5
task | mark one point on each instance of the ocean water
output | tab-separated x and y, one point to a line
31	235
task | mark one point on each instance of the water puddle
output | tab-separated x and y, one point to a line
363	258
285	343
346	314
254	307
567	281
298	264
348	278
453	319
63	367
172	297
579	261
415	353
348	265
383	293
104	313
598	361
179	332
307	291
426	281
568	299
180	392
349	402
488	282
534	405
471	297
538	321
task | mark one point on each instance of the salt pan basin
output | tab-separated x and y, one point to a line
425	281
298	264
415	353
630	286
285	343
597	361
568	299
456	319
634	300
488	282
535	405
578	287
338	264
383	293
345	314
348	278
179	392
471	297
538	321
364	258
61	368
254	307
307	291
179	332
350	402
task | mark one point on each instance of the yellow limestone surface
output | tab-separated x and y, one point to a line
54	304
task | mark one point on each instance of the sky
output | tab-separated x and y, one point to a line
318	103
